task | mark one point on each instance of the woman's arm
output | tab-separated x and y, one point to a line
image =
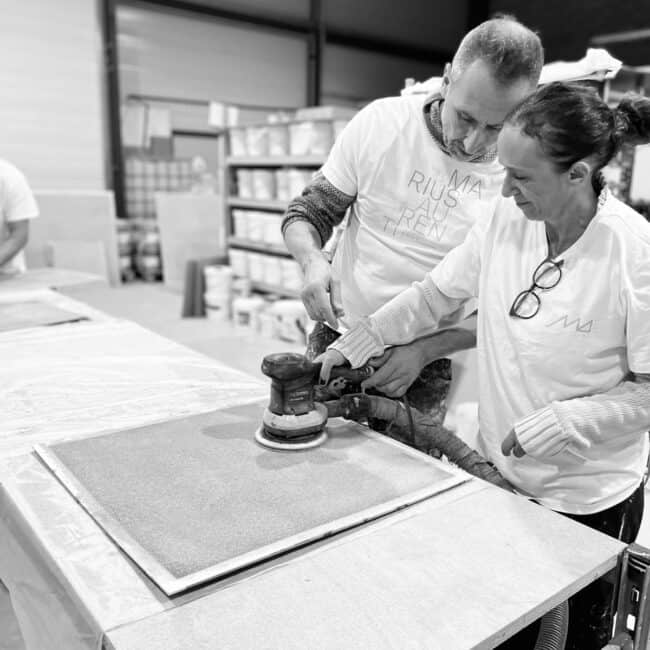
416	311
577	424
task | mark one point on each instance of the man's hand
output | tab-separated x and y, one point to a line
511	444
321	294
396	369
329	359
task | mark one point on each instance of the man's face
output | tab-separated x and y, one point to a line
474	108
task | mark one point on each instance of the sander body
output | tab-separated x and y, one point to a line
293	419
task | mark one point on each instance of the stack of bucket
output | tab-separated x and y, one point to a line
218	292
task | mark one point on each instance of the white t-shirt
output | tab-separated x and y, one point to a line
592	328
413	203
16	203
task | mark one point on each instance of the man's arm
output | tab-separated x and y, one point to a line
15	241
307	225
577	424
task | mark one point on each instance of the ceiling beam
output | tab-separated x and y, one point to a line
308	27
388	46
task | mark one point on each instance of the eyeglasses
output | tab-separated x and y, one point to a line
546	276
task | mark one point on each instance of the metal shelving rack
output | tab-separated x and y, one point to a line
277	206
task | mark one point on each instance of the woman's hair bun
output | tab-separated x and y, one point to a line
632	119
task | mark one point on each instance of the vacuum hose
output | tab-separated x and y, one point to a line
429	435
553	628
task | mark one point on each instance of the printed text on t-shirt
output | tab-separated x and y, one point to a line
429	203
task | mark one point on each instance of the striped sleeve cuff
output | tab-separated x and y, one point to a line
540	434
324	232
359	344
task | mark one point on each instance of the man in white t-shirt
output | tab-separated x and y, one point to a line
17	207
415	176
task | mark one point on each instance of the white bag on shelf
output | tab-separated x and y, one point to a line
291	275
298	180
238	142
282	185
278	140
273	229
245	183
310	138
257	140
255	222
240	223
263	184
272	270
256	266
238	262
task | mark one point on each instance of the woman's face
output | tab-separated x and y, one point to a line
537	187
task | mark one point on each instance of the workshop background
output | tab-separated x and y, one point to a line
163	140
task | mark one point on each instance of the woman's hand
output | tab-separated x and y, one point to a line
329	359
396	369
511	444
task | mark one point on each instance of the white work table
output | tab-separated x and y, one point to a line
464	569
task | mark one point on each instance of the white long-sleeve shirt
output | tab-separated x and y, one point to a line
557	379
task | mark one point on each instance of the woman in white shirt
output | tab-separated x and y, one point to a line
562	276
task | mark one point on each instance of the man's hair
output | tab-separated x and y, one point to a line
513	51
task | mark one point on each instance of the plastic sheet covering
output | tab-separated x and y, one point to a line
34	313
68	381
10	638
67	581
50	302
84	378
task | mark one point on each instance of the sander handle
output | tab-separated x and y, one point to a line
288	366
293	378
353	375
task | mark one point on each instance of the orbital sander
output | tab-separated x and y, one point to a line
293	419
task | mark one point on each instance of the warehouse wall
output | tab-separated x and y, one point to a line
287	9
159	51
52	122
421	23
435	25
567	25
53	117
178	55
352	76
